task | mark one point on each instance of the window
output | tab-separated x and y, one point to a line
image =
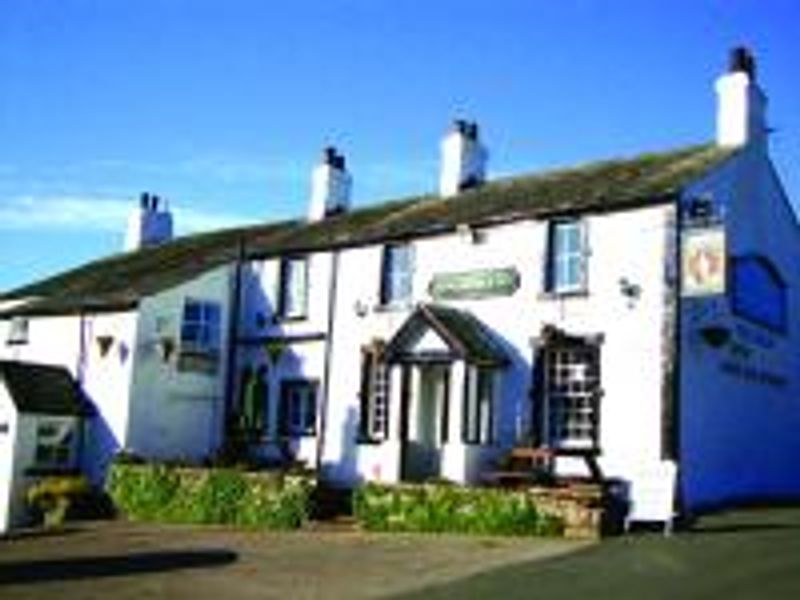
565	270
200	336
53	444
397	273
758	292
572	395
478	416
253	401
17	332
200	328
374	393
298	408
293	292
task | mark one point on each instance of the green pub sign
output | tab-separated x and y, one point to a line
483	283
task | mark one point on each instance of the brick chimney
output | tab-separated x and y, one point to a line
330	186
741	104
149	224
463	159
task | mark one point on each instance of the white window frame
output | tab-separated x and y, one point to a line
572	396
201	327
293	288
479	406
375	386
397	279
566	265
54	444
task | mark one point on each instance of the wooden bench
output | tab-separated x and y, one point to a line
527	461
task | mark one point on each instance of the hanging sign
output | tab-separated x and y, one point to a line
483	283
703	264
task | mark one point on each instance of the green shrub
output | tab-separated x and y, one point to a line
213	496
449	508
52	497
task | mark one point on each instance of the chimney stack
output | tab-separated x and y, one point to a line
463	159
330	186
741	104
149	224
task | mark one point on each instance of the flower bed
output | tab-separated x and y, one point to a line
451	508
165	493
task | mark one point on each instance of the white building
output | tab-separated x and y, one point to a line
632	311
41	431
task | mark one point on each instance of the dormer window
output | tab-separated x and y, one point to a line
565	268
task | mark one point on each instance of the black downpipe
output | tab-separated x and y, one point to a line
233	338
673	446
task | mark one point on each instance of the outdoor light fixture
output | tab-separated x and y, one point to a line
104	343
631	291
166	346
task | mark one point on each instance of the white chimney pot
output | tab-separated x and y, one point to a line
330	187
463	160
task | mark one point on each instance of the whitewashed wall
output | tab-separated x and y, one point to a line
630	245
72	342
303	356
172	413
739	436
8	422
51	340
106	379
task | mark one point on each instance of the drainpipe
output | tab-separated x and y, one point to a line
233	336
323	412
673	449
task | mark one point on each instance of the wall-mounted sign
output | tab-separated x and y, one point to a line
703	265
483	283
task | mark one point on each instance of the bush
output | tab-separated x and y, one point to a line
449	508
52	497
173	494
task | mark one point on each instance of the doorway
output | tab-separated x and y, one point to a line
425	420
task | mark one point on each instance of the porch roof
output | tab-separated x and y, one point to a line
465	335
43	389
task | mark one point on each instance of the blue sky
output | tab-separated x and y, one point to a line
223	107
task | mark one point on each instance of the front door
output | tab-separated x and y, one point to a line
425	421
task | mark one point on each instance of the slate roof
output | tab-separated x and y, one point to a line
466	336
42	389
119	282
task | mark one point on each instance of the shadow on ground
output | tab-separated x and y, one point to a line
85	567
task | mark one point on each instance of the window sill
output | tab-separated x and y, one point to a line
564	295
281	319
393	307
292	435
368	441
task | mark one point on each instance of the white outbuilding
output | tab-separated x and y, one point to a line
41	427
